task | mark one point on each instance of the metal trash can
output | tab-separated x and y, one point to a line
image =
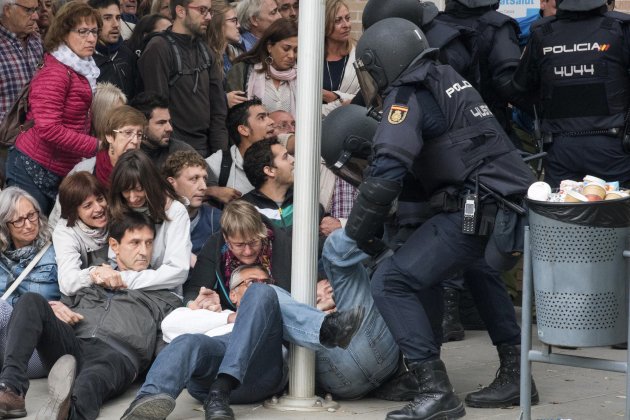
580	274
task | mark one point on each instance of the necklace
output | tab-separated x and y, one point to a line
343	71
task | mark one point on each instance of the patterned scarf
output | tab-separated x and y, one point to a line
84	66
231	263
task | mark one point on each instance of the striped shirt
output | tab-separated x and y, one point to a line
17	65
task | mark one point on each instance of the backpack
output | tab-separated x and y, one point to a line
179	71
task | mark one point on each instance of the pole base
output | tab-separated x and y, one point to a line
315	403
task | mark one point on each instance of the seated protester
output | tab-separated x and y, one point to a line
138	186
240	367
114	59
157	142
80	236
106	98
247	123
284	129
186	172
246	239
269	168
112	340
24	233
124	129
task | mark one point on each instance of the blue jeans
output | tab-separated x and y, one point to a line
251	353
18	176
372	356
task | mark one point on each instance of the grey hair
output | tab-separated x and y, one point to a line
235	277
105	99
9	199
245	10
5	3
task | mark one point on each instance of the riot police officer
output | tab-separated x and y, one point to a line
436	128
576	64
456	43
497	46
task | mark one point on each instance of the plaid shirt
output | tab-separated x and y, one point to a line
343	199
17	65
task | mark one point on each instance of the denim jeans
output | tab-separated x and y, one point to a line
251	353
372	355
18	176
102	372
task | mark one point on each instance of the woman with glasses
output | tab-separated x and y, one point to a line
23	233
59	107
124	130
137	185
269	70
340	79
224	39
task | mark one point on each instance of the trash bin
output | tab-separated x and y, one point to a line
580	274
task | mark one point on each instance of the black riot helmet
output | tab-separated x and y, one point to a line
347	134
579	5
419	12
384	51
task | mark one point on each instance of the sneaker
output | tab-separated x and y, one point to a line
60	382
11	404
150	407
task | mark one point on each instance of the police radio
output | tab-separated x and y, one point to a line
469	225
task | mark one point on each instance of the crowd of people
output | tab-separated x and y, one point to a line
147	205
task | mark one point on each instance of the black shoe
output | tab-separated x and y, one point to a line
505	390
436	399
60	382
401	386
217	406
338	328
620	346
150	407
452	328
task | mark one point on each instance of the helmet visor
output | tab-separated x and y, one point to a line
350	169
369	87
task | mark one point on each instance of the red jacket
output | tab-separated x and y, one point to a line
59	102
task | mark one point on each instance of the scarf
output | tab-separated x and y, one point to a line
258	79
231	263
103	168
84	66
94	238
109	49
12	257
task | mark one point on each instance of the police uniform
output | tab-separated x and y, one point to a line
577	64
498	52
436	129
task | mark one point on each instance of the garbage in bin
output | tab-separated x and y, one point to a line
589	189
580	274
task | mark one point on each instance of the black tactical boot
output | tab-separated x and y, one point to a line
504	391
338	328
452	328
436	399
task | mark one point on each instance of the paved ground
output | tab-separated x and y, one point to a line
566	393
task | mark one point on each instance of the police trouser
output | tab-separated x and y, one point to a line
434	252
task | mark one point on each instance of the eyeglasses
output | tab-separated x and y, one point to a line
202	10
31	216
248	281
242	245
234	20
130	134
84	32
29	10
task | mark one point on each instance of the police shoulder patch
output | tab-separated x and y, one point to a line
397	114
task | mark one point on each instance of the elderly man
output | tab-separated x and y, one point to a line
20	48
255	17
